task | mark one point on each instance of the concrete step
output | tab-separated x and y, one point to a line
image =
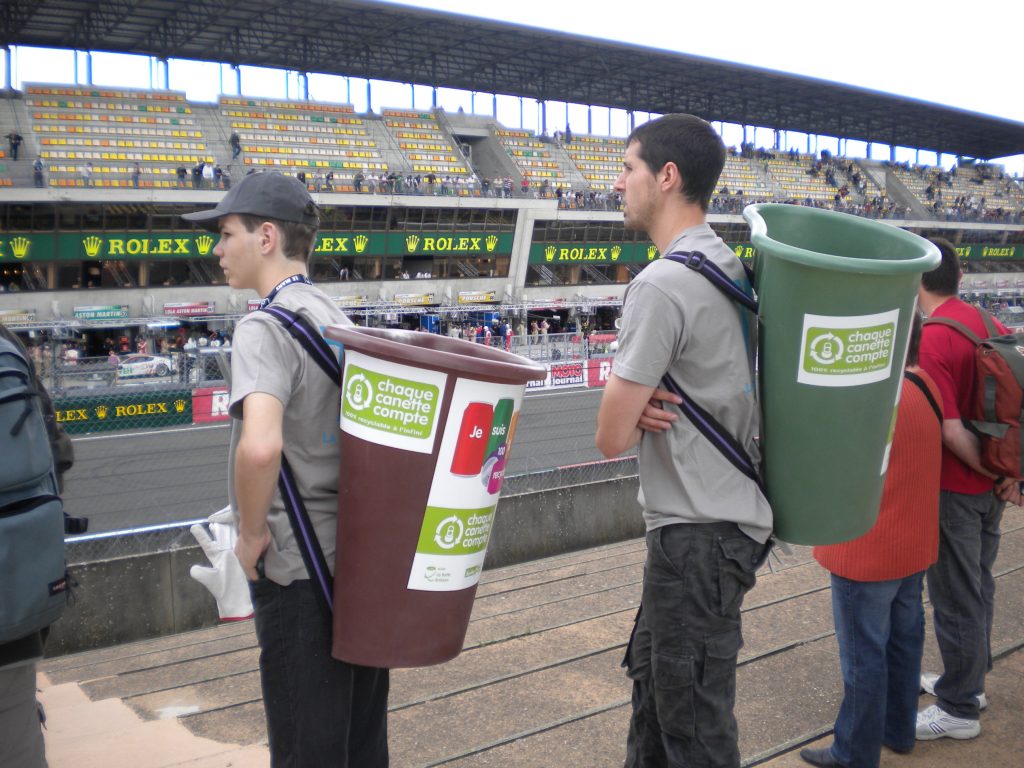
539	682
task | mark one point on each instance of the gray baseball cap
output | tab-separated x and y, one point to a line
268	194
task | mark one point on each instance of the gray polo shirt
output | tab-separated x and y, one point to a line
265	358
674	320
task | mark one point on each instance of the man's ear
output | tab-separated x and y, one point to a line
669	177
269	237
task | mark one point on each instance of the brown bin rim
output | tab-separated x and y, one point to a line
440	353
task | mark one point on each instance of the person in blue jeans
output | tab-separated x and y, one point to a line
876	587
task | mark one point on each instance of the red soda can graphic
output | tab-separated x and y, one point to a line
474	435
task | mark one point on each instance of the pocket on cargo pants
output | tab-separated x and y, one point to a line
739	557
673	694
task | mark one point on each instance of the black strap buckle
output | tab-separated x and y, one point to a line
694	259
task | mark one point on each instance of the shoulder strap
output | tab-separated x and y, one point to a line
990	323
957	326
305	534
705	423
309	338
698	262
716	434
919	382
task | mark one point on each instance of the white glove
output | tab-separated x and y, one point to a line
225	580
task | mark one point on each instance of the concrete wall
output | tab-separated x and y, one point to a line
144	596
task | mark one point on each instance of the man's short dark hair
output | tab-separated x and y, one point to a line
691	144
944	280
297	239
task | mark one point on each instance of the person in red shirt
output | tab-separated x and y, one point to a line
876	587
971	502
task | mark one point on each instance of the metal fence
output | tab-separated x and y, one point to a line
151	439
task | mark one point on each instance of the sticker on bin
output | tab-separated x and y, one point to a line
467	481
390	404
847	351
451	549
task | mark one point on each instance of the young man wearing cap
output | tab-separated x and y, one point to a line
320	711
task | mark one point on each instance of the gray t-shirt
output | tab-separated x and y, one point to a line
674	320
266	358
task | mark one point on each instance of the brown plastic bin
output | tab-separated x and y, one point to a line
426	424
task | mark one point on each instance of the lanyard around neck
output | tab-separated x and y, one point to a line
282	285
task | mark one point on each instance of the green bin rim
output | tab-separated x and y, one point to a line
929	257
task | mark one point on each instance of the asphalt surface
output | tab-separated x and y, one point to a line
129	480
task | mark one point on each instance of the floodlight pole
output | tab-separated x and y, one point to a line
7	67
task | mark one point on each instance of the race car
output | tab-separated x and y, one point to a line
145	365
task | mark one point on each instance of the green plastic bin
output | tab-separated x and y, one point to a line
836	294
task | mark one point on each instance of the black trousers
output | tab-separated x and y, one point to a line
321	712
682	655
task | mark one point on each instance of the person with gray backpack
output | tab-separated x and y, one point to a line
32	526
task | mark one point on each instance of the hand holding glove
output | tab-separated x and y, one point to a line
225	579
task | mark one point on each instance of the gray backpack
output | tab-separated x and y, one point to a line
31	514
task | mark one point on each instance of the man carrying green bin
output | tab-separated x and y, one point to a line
707	525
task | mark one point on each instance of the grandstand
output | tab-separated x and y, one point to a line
425	192
109	130
292	136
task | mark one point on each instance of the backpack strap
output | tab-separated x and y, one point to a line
705	423
309	338
919	382
305	534
957	326
716	434
698	262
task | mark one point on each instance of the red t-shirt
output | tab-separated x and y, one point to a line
948	357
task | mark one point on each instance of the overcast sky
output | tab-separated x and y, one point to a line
965	55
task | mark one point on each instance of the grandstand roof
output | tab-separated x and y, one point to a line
387	42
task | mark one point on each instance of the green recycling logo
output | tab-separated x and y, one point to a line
389	404
826	349
358	392
449	532
847	351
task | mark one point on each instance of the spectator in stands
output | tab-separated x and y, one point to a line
182	174
208	179
524	185
218	175
371	183
136	172
236	144
37	172
357	181
86	173
197	175
329	181
14	140
225	178
568	134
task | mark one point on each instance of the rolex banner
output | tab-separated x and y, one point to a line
86	246
115	411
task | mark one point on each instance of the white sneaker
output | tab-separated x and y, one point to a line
929	679
934	723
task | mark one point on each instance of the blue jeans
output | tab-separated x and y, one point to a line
320	711
682	655
880	629
962	592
